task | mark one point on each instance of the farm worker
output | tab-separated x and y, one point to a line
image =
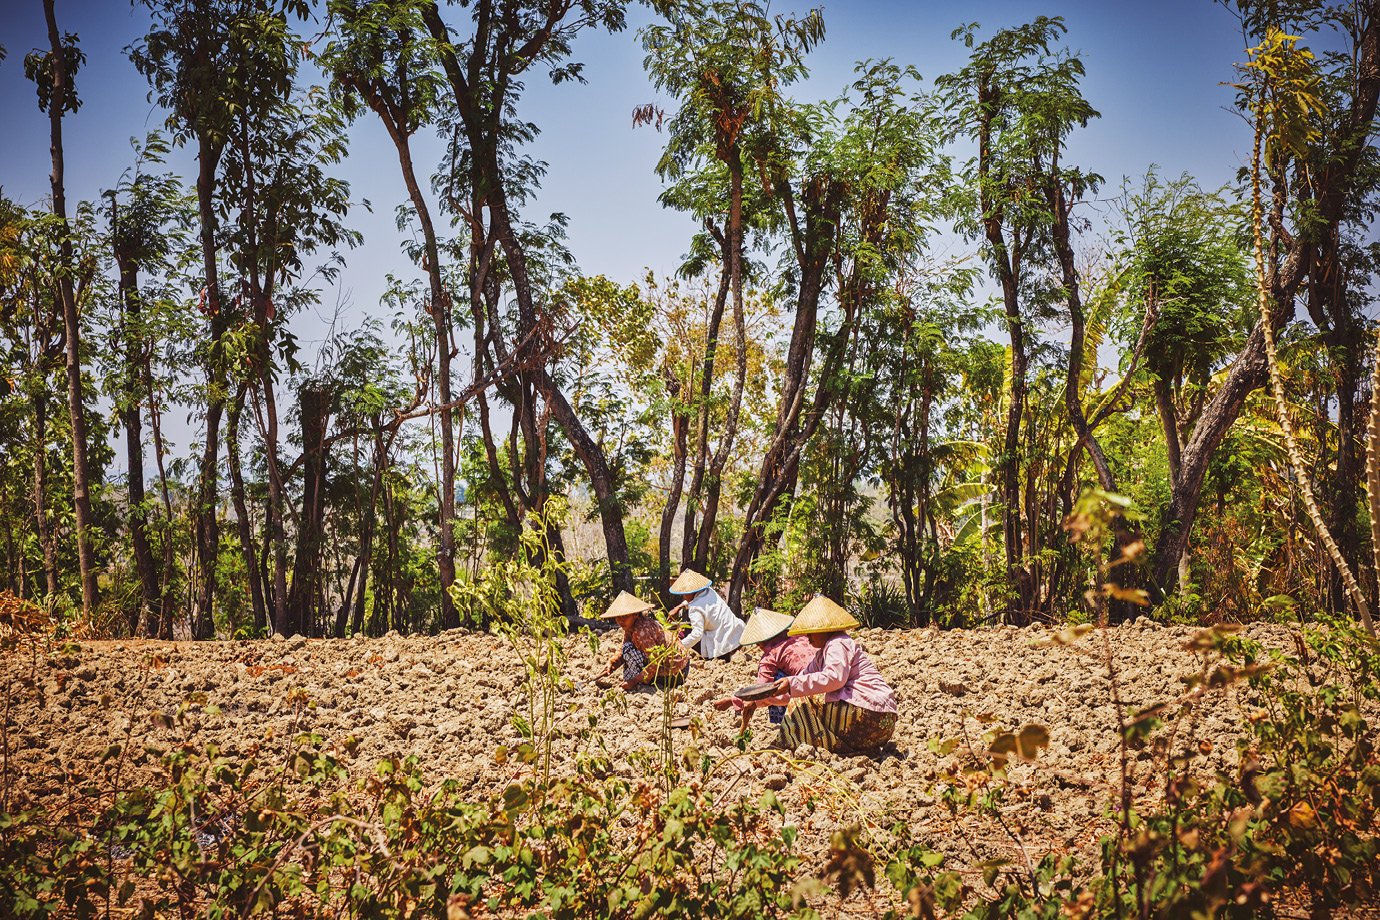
648	657
782	656
713	627
840	702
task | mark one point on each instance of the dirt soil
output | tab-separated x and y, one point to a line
449	700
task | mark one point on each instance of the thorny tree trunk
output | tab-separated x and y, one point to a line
1334	315
1301	476
1373	458
1333	184
81	468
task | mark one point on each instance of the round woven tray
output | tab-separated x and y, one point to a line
754	692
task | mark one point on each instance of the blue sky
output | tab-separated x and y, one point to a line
1154	71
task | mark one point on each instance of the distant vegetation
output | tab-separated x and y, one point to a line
823	398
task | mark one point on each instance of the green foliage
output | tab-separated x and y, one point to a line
520	598
217	837
1299	817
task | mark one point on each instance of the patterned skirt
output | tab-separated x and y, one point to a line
635	662
777	713
835	726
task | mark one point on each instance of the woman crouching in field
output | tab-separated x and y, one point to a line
782	656
840	702
648	657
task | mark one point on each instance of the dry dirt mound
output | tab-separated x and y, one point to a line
449	701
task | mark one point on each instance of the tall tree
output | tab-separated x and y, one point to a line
1180	258
484	66
146	225
858	195
280	204
54	72
1314	204
1018	99
379	59
190	58
726	62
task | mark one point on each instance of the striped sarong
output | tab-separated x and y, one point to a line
835	726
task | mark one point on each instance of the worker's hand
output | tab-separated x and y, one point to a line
783	686
613	662
723	704
629	685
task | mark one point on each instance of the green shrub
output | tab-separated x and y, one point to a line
224	839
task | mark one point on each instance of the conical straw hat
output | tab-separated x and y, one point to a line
764	624
689	582
822	615
625	604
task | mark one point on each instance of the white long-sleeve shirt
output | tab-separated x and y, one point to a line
712	625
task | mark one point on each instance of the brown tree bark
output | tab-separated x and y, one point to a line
81	468
42	523
812	233
249	552
149	614
1332	187
680	423
314	408
1125	533
694	499
495	56
205	514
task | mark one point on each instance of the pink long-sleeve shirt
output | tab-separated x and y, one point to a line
787	654
841	671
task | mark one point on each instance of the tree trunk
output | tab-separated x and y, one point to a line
277	501
366	540
1304	483
1125	533
490	62
314	408
680	422
600	480
1333	184
205	516
150	607
812	245
730	432
42	524
81	469
162	629
249	551
399	124
694	500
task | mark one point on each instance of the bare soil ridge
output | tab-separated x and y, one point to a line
449	700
